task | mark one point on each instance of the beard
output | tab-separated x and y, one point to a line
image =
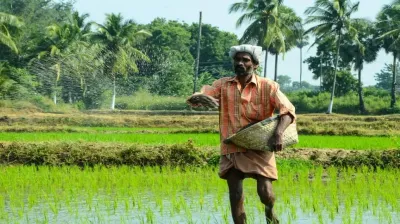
241	71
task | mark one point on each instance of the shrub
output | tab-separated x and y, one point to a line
89	154
376	102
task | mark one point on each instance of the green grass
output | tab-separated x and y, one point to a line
348	142
306	141
63	128
127	129
126	194
198	139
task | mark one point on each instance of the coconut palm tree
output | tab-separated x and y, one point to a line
331	18
388	30
6	22
262	16
271	26
78	21
118	39
283	34
60	38
367	53
302	41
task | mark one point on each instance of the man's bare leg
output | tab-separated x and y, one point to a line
264	189
236	197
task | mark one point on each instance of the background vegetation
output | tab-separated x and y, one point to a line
61	62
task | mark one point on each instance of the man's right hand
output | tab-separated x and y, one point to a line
200	99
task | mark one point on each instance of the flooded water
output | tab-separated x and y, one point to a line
105	206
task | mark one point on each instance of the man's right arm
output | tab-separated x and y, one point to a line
208	94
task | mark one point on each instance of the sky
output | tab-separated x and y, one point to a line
215	12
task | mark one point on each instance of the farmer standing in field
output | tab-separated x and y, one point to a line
244	99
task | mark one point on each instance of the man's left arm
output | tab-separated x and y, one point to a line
287	116
284	122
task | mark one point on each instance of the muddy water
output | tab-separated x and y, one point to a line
188	207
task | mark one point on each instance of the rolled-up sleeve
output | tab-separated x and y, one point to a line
282	103
214	90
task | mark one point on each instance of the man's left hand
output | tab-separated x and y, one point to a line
278	142
284	122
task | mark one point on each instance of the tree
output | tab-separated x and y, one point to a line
302	41
205	78
384	77
322	64
345	82
177	79
389	32
283	33
353	53
9	23
262	16
215	45
168	47
118	38
39	14
284	81
304	85
16	83
331	18
60	38
82	67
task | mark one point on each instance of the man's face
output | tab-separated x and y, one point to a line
243	64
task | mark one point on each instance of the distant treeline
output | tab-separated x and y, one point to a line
50	51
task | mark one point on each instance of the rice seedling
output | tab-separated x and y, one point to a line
192	195
204	140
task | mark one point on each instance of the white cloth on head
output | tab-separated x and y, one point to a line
254	51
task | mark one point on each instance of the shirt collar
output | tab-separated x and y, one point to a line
253	79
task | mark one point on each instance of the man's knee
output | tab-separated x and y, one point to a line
266	194
268	199
235	178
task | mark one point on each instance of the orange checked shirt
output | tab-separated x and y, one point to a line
256	102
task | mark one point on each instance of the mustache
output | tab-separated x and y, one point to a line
239	67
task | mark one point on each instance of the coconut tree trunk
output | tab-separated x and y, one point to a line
55	93
320	74
335	74
58	74
55	97
276	67
265	63
360	92
114	93
301	65
70	97
393	92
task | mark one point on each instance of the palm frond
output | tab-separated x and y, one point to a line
10	20
352	9
238	7
8	41
394	32
144	33
255	33
54	50
247	17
